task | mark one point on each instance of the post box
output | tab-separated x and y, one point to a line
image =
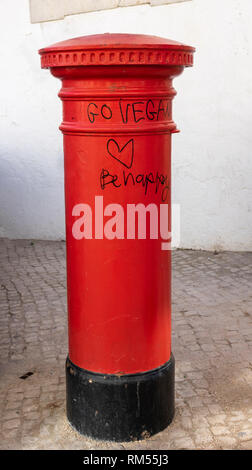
117	123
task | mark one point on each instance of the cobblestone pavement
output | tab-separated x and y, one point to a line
212	344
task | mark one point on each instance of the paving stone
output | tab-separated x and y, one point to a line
184	443
8	415
246	445
219	430
203	437
11	424
186	422
217	419
227	442
245	434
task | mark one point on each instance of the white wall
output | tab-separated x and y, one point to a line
212	164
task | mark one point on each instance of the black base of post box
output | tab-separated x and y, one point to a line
120	408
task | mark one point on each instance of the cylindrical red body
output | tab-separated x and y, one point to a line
119	291
117	124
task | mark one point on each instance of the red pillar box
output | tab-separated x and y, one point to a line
117	124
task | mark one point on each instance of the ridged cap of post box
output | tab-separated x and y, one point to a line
116	49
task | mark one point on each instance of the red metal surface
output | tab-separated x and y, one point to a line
117	123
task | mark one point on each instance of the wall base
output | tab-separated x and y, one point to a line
120	408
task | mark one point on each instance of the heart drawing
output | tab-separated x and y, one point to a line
123	155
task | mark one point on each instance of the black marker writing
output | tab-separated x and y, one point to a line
124	154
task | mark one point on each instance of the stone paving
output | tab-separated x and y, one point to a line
212	344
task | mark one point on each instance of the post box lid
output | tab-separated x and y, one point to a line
116	49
